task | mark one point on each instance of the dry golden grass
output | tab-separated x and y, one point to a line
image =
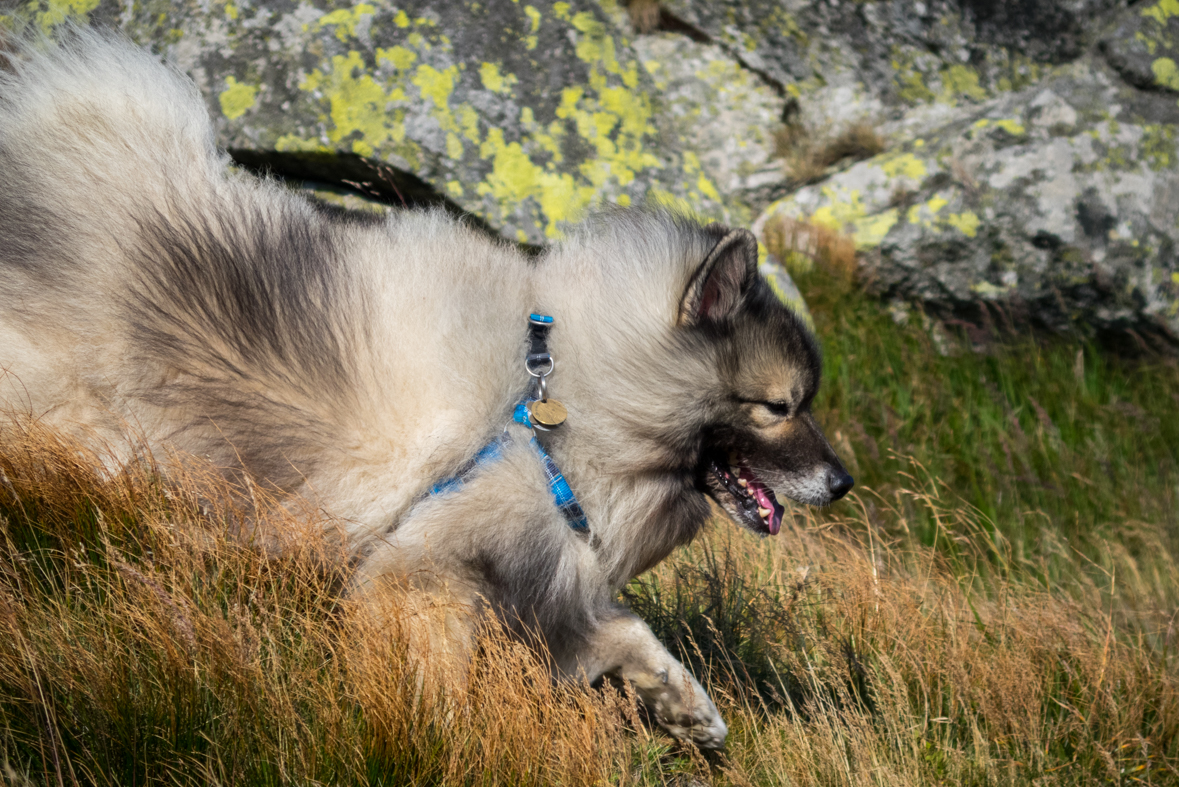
800	245
808	155
644	14
141	642
892	665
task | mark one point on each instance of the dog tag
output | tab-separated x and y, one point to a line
548	412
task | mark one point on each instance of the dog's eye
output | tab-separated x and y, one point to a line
780	409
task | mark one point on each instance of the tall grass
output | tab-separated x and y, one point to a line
994	604
1064	447
142	643
885	665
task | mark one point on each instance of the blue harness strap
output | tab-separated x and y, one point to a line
520	414
492	452
563	496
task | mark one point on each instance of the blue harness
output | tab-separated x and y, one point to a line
563	496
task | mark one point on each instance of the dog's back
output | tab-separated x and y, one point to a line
144	290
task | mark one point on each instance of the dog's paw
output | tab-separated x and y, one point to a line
699	722
710	734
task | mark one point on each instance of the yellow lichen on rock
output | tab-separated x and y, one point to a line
237	98
438	86
925	213
357	104
533	15
345	20
293	143
903	165
515	178
959	81
870	231
967	222
58	11
1162	10
610	113
1166	74
845	212
493	80
398	56
1011	125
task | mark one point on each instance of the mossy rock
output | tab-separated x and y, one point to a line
842	61
1056	206
1144	47
524	114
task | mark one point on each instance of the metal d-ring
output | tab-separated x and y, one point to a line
536	372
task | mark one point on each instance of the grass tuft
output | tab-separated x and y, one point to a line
644	15
143	642
810	156
801	245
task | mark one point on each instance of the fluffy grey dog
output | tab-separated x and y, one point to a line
386	369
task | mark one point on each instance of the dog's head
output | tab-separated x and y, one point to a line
761	436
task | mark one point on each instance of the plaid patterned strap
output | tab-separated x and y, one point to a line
562	495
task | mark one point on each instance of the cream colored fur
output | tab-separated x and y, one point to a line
153	301
99	143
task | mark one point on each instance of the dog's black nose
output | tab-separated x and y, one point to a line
839	482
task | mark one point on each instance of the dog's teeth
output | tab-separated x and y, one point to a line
763	512
742	482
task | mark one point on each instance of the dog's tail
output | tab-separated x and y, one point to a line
88	126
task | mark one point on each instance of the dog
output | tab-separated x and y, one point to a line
526	435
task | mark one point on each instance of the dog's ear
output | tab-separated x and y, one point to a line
715	290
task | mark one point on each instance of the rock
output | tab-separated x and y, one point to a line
1144	48
776	275
521	113
722	112
1057	205
843	60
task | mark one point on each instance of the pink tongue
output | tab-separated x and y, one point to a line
758	490
759	493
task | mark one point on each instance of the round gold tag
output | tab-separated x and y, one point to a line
548	412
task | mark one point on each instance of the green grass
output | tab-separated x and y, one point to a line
1062	446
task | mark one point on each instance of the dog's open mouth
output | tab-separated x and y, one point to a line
743	495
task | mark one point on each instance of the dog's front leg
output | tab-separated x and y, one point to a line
623	646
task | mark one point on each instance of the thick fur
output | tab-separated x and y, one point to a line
146	290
